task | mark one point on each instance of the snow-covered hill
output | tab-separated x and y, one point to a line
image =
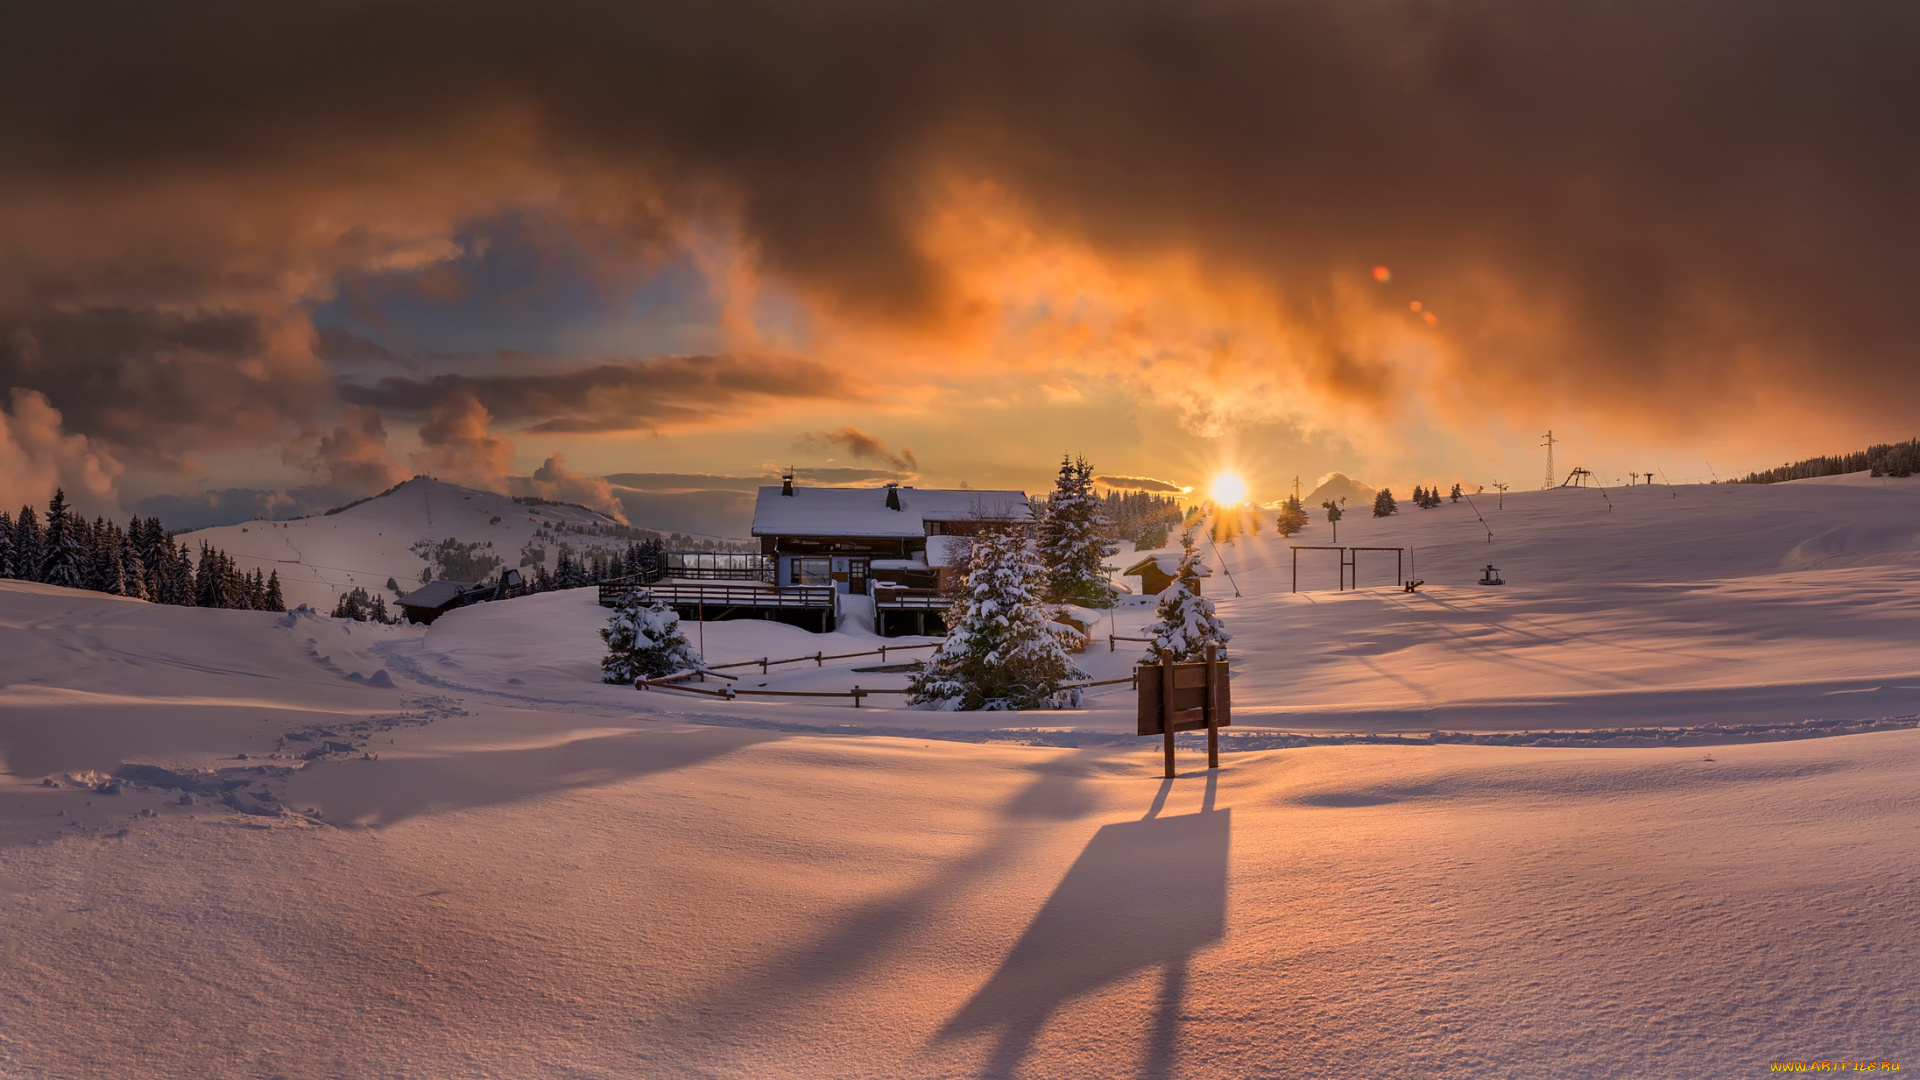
403	533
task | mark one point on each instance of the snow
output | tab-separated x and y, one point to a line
814	511
542	875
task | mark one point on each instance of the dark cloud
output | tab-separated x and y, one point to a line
1644	207
638	395
1142	483
353	455
826	476
162	383
851	440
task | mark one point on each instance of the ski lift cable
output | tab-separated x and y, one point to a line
1220	558
1477	514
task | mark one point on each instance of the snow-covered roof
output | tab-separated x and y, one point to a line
918	562
864	512
436	594
1169	564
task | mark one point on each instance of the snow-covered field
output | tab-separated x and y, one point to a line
511	870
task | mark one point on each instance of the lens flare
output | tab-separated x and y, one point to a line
1382	275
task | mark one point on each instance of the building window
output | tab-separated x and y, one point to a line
813	571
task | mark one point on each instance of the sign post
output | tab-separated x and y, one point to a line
1185	697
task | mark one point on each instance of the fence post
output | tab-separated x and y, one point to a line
1213	710
817	658
883	654
1166	704
857	694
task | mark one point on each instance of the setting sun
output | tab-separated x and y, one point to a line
1228	489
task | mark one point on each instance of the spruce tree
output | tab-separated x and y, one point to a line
176	576
1293	516
1383	503
156	551
7	569
1455	493
133	573
275	600
1185	624
644	641
1073	541
1004	650
66	561
29	545
116	572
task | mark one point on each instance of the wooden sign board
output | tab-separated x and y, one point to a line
1189	697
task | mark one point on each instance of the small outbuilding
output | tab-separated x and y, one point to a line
436	598
1156	572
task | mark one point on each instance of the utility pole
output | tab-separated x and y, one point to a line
1549	445
1296	488
1502	489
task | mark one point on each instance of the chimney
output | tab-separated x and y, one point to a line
893	496
786	483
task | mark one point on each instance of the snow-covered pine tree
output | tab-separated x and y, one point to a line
155	553
210	579
276	601
1293	516
133	573
1004	650
116	572
66	560
29	545
176	580
1185	623
1074	545
1383	503
1455	493
644	641
6	545
105	567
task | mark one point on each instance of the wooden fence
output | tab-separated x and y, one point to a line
858	693
820	659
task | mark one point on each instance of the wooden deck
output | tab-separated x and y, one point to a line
810	607
919	612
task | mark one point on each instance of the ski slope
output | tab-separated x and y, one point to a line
508	869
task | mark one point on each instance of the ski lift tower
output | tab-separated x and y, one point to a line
1549	445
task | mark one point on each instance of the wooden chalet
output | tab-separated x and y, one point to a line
822	547
897	544
434	599
1156	572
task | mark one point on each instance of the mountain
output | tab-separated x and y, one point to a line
1340	486
422	527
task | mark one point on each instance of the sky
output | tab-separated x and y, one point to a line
264	259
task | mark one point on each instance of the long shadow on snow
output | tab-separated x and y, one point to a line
867	931
377	793
1142	894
